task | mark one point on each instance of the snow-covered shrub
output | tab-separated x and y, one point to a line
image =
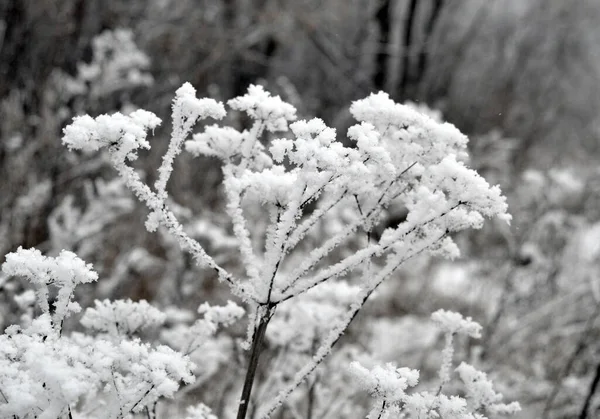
399	157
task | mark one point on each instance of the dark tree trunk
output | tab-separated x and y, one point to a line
407	41
383	18
436	8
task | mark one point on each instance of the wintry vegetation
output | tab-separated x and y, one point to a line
307	187
257	261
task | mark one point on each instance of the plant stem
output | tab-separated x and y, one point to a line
255	351
590	395
382	409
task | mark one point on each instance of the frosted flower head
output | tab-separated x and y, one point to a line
387	382
260	105
315	147
454	323
66	268
271	185
422	138
121	317
223	315
368	142
117	64
465	185
222	142
187	106
122	134
63	272
480	392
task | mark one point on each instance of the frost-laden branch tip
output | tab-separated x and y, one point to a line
299	200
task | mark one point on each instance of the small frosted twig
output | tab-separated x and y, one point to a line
447	356
316	255
249	146
181	129
338	330
187	109
326	248
354	260
254	313
235	212
301	230
277	245
168	219
143	397
381	409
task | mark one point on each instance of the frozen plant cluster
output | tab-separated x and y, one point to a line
107	372
389	386
300	181
303	207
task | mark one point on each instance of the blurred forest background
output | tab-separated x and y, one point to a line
519	77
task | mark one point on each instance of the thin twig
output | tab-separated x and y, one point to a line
591	392
382	410
581	345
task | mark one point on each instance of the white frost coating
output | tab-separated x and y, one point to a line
260	105
222	142
393	397
480	392
455	323
46	373
417	136
387	382
297	201
187	109
63	272
224	315
121	317
447	357
199	411
233	191
123	134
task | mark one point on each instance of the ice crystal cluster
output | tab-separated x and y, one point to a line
303	206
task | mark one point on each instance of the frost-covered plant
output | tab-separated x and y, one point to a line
398	156
117	65
46	373
122	317
389	385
